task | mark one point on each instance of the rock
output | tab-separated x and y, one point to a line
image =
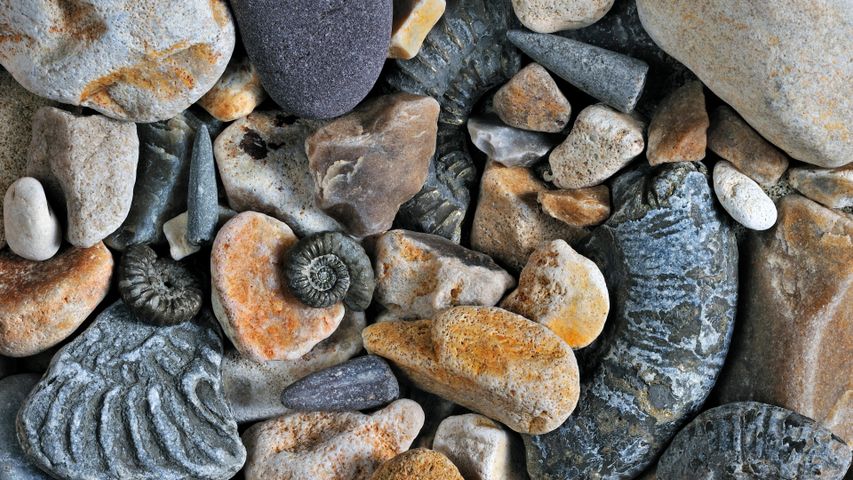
601	143
127	60
678	131
250	296
531	100
263	166
742	198
507	145
237	92
7	366
87	165
254	389
418	274
33	230
832	188
42	303
347	44
130	400
481	448
734	140
564	291
752	440
366	164
13	464
583	207
413	20
436	409
549	16
420	464
795	329
766	66
670	263
330	446
610	77
203	197
488	360
175	231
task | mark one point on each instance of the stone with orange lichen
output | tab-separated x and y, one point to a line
531	100
250	296
678	131
413	20
486	359
418	464
42	303
237	92
583	207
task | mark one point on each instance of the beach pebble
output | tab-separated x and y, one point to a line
582	207
175	231
549	16
203	197
742	198
33	230
237	92
678	131
418	464
833	188
507	145
480	447
734	140
14	465
531	100
413	20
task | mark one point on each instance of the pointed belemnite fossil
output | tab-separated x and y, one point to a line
202	198
359	384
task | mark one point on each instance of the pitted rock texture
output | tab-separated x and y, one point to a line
531	100
549	16
237	92
420	464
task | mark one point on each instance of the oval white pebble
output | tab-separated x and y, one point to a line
742	198
32	229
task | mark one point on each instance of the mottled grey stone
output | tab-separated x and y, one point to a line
130	400
202	199
670	263
13	464
754	441
507	145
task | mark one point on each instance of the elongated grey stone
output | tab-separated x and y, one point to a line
13	464
202	199
615	79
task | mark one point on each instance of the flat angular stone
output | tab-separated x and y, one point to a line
734	140
678	130
549	16
203	198
419	463
13	464
175	231
237	92
832	188
742	198
507	145
33	230
531	100
480	447
413	20
582	207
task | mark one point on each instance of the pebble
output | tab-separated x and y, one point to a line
128	60
347	44
832	188
481	448
13	464
175	231
734	140
582	207
601	143
678	131
87	165
250	296
418	274
418	464
564	291
126	399
742	198
488	360
507	145
254	389
754	441
615	79
33	230
413	20
330	445
237	92
508	224
436	410
531	100
549	16
67	287
203	197
368	163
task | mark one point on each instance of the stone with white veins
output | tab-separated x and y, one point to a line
480	447
742	198
203	198
33	231
507	145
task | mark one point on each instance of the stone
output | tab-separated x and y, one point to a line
346	42
254	389
583	207
670	262
126	399
615	79
508	224
507	145
33	230
481	448
420	464
413	20
678	131
832	188
13	464
601	143
531	100
250	297
418	274
175	231
488	360
237	92
330	446
263	167
549	16
734	140
368	163
564	291
742	198
127	60
87	165
42	303
436	409
203	197
8	366
752	440
795	327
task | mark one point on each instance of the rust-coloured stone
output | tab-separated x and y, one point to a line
734	140
531	100
583	207
678	131
418	464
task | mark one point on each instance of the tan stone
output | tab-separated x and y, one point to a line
237	92
833	188
413	19
418	464
678	131
531	100
549	16
734	140
583	207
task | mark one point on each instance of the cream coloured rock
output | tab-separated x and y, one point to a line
742	198
175	231
33	230
481	448
833	188
549	16
237	92
413	20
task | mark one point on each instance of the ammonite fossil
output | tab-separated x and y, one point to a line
329	267
158	290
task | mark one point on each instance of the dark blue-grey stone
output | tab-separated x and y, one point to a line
7	366
754	441
316	58
13	463
670	262
202	198
358	384
615	79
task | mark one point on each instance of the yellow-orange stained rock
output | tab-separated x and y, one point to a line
583	207
531	100
418	464
237	92
413	19
678	131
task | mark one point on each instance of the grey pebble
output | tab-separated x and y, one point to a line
13	464
506	145
202	199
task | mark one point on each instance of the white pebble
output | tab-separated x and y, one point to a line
32	229
744	199
479	447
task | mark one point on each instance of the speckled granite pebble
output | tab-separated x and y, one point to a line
13	464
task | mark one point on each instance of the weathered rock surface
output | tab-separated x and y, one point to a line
13	464
175	231
742	198
678	131
507	145
237	92
481	448
549	16
832	188
531	100
413	20
582	207
33	230
734	140
420	464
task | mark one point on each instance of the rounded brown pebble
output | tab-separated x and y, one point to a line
418	464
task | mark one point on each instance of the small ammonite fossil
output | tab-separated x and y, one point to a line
158	290
325	268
